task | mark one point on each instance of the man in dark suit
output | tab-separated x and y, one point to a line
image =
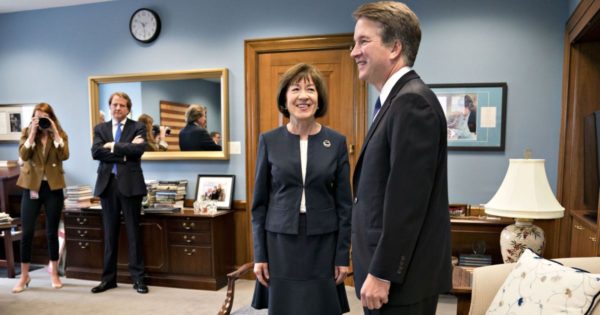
194	137
400	223
119	145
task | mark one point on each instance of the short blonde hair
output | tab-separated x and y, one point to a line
122	95
194	112
398	22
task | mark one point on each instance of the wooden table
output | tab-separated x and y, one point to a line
8	185
9	262
461	288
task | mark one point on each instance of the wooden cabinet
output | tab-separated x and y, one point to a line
468	232
584	242
180	250
581	97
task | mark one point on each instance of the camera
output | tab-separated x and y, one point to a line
156	130
44	123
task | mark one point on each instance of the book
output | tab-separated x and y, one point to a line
474	260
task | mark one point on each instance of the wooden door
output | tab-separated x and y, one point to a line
267	60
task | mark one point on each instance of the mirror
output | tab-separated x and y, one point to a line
165	96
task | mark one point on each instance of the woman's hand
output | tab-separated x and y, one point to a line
261	270
163	133
340	273
54	130
33	128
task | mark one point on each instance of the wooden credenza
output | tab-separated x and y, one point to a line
181	250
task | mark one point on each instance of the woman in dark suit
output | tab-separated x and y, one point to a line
43	148
301	207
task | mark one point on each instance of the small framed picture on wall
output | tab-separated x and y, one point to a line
475	115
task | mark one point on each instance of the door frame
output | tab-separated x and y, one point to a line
255	47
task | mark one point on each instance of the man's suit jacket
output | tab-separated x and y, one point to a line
278	189
400	221
38	163
196	138
125	154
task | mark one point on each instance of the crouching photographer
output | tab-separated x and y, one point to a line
156	134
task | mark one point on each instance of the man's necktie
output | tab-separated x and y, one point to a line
377	108
117	138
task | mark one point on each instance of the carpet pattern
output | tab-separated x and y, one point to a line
75	298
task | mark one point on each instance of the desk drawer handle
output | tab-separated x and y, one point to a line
186	226
190	239
593	239
189	252
82	233
84	246
579	227
82	221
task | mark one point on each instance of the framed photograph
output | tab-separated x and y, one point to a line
475	114
13	119
217	188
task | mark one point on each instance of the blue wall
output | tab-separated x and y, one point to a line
47	55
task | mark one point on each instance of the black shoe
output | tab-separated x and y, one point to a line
103	286
140	287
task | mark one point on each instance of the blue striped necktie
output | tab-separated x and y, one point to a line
377	108
117	138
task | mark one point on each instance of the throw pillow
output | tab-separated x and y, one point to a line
541	286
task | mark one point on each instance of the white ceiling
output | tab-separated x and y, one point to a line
26	5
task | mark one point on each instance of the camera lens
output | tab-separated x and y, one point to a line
167	131
44	123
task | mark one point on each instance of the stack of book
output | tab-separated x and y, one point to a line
168	194
78	197
5	218
474	260
8	163
150	198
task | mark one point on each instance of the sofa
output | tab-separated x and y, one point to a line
486	281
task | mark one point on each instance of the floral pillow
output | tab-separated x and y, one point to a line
541	286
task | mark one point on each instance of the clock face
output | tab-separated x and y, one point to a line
144	25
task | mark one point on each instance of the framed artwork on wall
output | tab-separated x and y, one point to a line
13	119
216	188
475	114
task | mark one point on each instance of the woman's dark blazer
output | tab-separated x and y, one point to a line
278	189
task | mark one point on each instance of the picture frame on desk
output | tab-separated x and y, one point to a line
217	188
13	119
475	115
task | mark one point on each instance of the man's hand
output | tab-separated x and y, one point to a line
137	140
261	270
340	273
374	293
109	145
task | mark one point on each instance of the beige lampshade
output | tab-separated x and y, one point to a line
525	193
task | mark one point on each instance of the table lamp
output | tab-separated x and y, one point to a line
525	195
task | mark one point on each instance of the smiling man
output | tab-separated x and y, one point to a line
400	223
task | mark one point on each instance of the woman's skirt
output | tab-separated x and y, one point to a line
301	270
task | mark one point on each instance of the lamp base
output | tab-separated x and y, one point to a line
516	238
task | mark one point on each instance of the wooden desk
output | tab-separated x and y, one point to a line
183	250
9	261
8	186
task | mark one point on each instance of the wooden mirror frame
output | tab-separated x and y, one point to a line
221	73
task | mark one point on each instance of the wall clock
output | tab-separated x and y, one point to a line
144	25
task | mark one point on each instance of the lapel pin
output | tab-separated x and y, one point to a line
326	143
